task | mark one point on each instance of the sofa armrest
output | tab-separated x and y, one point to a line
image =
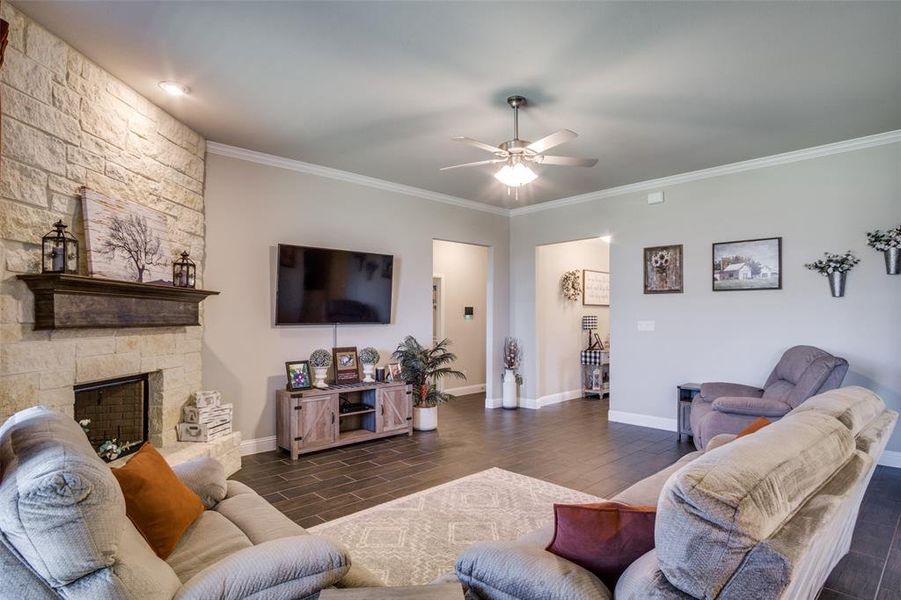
716	389
291	567
754	407
522	571
205	477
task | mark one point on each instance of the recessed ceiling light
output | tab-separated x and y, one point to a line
173	89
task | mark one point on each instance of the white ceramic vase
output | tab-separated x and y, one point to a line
425	418
319	375
368	372
509	399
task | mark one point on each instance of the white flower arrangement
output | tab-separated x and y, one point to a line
661	260
369	356
834	263
321	358
110	450
512	353
884	240
572	285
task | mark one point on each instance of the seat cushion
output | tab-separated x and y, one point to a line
210	539
257	519
716	509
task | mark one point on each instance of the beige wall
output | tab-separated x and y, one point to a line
464	268
251	207
818	204
559	321
67	123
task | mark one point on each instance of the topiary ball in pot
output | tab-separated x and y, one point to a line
369	357
320	360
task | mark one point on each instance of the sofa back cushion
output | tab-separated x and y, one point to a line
716	509
802	372
854	406
61	510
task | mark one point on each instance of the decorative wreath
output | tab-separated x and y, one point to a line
572	285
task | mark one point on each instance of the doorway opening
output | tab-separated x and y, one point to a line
460	310
573	333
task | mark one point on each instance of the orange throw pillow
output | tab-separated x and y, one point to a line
604	538
157	502
756	425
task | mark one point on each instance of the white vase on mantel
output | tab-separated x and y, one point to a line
509	396
319	375
368	372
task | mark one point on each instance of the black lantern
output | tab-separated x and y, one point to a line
184	272
60	251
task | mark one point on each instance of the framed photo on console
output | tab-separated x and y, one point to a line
347	365
298	372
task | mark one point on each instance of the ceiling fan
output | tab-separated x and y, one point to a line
517	155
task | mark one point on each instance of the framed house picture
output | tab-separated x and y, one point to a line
298	372
595	288
663	269
747	265
347	365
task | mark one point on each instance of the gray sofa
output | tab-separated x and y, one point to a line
802	372
64	533
762	517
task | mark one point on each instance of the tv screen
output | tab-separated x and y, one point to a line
322	286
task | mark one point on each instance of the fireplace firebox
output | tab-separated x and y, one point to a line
117	410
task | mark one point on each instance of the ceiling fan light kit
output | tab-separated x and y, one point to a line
516	154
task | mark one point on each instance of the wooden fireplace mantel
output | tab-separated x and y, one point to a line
75	301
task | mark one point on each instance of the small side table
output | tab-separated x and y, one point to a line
685	393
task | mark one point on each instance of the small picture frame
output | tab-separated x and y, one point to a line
394	372
595	288
663	269
298	372
347	365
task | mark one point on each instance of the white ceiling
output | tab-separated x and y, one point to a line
378	88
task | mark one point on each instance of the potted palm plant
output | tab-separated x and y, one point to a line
423	368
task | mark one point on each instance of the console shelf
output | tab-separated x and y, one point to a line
311	420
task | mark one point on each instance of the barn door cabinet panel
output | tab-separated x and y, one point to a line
311	420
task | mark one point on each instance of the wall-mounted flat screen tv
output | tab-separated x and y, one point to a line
318	286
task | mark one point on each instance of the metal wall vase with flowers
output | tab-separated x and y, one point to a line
889	243
835	267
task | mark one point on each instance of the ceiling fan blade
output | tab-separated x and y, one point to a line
475	164
549	141
565	161
478	144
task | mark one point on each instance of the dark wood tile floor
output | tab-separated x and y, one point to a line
571	444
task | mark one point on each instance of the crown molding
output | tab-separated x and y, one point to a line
870	141
381	184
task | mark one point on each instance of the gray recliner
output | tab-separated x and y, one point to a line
802	372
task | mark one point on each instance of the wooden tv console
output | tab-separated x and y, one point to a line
311	420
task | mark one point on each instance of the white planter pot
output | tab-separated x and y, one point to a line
319	375
368	372
510	400
425	419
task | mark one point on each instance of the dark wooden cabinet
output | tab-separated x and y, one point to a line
311	420
395	409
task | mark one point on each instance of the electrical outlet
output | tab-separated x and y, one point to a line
647	325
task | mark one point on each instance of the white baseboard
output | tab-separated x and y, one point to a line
890	458
466	389
542	401
255	446
493	402
618	416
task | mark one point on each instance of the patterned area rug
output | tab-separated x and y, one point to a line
415	539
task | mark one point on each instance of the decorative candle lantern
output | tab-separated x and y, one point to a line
60	251
184	272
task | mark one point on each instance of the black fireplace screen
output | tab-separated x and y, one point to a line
116	410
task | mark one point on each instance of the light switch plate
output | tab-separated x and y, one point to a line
655	198
646	325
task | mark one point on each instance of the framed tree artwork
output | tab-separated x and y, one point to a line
126	240
663	269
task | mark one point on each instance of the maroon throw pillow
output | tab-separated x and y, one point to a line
604	538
